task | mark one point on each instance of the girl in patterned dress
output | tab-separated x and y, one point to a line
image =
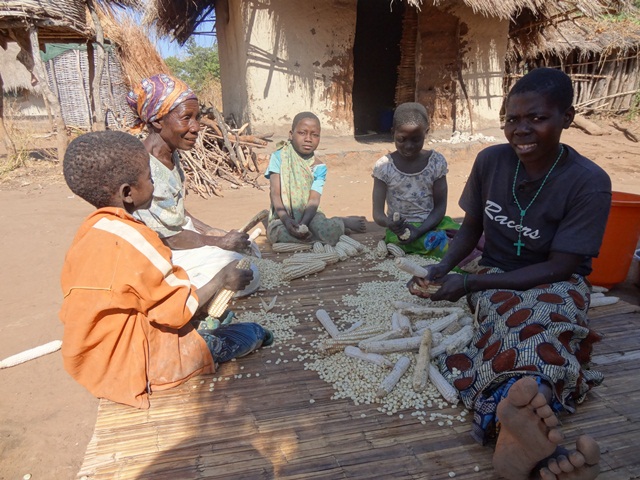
296	179
543	209
412	183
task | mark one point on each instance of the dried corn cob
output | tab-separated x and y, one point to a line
390	346
302	228
348	248
407	233
353	242
395	250
381	249
298	270
421	371
439	324
255	234
290	247
387	335
30	354
448	391
318	247
342	253
330	346
221	300
310	257
361	333
602	301
390	381
324	318
411	267
454	342
355	352
401	323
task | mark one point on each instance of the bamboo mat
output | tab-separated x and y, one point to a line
280	422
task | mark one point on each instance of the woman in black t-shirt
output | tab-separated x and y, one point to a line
543	209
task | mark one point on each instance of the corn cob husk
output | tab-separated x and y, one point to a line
318	247
392	379
381	249
421	371
352	241
311	257
395	250
290	247
221	300
297	270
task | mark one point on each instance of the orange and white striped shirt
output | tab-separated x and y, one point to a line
127	311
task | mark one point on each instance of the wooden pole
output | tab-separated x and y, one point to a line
40	73
98	115
11	148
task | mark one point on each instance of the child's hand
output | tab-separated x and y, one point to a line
235	279
235	241
295	230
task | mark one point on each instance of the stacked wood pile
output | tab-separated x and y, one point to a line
221	154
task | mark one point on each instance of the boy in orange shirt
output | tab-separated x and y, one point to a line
127	309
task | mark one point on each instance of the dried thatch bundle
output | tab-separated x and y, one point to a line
138	56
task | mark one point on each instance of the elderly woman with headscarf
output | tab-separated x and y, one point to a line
169	110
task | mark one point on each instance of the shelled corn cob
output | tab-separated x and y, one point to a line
221	300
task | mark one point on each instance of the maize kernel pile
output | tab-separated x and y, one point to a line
371	306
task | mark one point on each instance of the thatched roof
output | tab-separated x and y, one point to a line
583	35
15	76
52	14
180	19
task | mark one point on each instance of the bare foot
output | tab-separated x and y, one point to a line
581	464
355	224
528	431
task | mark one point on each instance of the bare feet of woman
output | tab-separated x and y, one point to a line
528	431
580	464
355	224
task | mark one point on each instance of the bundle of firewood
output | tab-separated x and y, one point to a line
221	153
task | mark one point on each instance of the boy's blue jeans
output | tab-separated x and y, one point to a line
233	341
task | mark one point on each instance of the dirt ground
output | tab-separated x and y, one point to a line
46	419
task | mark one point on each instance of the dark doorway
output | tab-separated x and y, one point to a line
376	56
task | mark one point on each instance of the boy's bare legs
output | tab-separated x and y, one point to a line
530	433
354	224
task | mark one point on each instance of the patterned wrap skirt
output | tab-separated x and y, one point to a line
541	332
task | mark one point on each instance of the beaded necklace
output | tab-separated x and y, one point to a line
523	211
